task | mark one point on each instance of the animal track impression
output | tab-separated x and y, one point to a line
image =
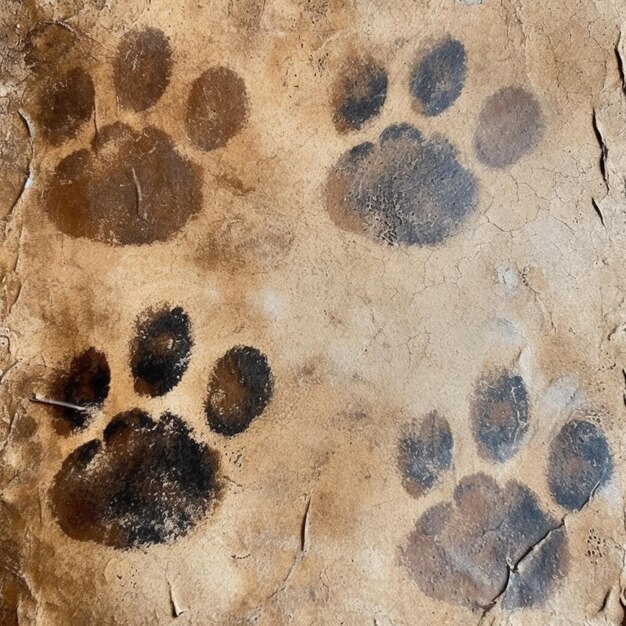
494	542
132	186
408	188
149	481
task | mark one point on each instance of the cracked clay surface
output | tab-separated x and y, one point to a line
312	312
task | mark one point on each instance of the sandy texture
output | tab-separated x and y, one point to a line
313	312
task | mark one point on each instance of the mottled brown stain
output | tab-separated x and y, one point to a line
499	414
324	17
217	108
240	388
245	243
460	552
147	482
65	105
408	189
510	126
131	187
47	44
142	68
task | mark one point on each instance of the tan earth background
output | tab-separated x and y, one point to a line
313	312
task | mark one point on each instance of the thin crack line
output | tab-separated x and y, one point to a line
515	567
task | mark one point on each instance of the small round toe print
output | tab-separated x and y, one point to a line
240	387
510	126
438	78
359	94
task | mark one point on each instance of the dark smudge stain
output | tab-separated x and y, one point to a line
13	591
142	68
66	105
160	351
499	415
146	483
217	108
359	95
460	552
47	44
580	462
438	78
240	387
407	190
509	126
424	453
85	384
130	188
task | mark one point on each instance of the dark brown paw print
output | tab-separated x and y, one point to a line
407	188
149	481
494	541
129	186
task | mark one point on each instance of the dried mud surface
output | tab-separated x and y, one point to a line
312	312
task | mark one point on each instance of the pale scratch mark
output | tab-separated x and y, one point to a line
95	121
177	610
29	172
302	549
141	209
65	405
15	299
304	532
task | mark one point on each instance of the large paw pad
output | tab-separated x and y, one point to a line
145	483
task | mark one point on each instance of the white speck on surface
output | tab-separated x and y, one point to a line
508	276
270	302
213	293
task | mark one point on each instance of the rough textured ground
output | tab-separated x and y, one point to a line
313	312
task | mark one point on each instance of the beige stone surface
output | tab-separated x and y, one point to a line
443	316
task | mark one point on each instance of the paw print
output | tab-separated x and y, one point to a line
408	188
494	542
131	185
149	481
